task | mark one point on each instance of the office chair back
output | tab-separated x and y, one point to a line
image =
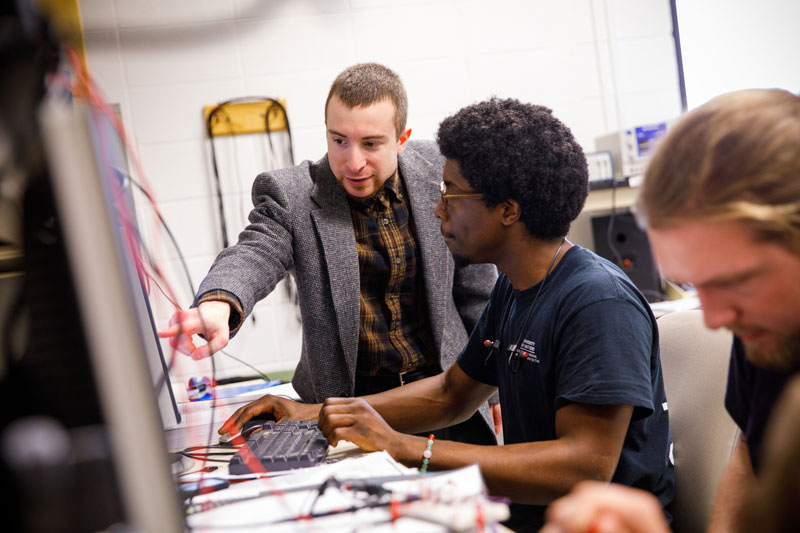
695	361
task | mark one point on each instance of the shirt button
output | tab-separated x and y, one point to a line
385	221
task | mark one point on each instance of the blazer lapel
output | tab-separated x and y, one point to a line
335	229
437	263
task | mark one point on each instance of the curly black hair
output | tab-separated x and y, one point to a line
507	149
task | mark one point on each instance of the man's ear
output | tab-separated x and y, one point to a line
401	142
511	212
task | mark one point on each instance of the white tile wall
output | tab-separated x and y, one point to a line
308	93
170	183
513	25
295	44
630	19
640	64
174	112
143	13
546	81
104	55
98	15
195	224
270	9
386	33
211	56
599	64
309	142
436	87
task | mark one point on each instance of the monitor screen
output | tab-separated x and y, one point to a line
153	353
113	311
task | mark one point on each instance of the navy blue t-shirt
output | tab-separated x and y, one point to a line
591	338
751	395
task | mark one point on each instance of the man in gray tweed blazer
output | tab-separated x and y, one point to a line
382	301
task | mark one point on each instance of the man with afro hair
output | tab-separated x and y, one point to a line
566	338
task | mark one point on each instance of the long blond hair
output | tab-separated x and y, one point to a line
735	158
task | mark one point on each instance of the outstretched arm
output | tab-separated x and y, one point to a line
588	441
209	319
432	403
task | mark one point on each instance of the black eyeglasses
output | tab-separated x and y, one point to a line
446	196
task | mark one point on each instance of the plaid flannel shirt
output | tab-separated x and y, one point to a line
395	333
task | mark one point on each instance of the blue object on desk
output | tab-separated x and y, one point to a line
208	484
204	393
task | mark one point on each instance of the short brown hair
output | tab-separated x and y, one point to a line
735	158
367	83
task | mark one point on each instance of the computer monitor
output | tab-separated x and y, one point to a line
113	313
156	360
111	156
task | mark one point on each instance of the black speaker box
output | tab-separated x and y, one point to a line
626	245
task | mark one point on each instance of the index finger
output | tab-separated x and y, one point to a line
234	422
182	323
171	331
245	413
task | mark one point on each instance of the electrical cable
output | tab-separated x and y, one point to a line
254	369
215	168
209	128
100	108
375	497
164	225
182	259
610	228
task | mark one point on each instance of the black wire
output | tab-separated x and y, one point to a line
194	449
372	490
370	502
206	459
166	228
150	259
610	228
260	494
254	369
376	502
288	129
267	131
210	454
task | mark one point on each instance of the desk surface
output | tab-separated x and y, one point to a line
201	419
431	503
272	503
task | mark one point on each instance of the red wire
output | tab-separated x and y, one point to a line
87	85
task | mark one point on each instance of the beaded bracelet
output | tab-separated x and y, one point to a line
426	455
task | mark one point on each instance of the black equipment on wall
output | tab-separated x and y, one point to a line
619	239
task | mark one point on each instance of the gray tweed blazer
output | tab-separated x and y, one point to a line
301	224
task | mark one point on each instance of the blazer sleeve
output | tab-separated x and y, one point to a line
263	255
472	286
